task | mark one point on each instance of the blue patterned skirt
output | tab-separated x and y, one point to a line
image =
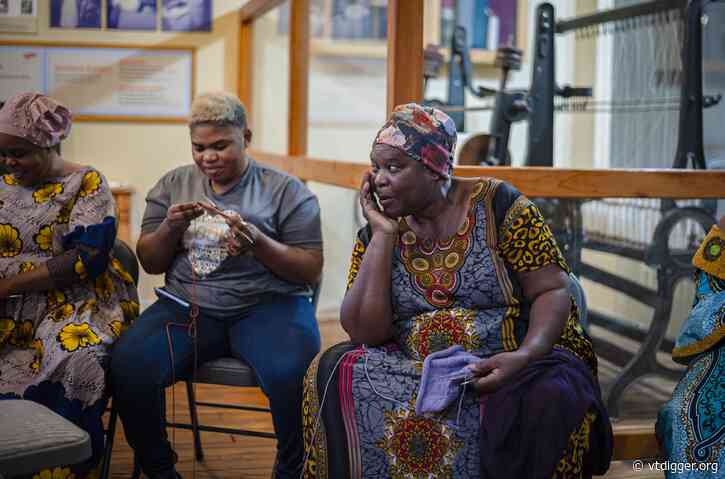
691	426
359	421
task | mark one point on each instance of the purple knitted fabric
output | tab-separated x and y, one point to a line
443	372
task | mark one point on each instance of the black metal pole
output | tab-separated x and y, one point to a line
541	123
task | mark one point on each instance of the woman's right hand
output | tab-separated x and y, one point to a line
180	216
378	220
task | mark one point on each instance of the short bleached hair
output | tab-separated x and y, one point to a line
218	109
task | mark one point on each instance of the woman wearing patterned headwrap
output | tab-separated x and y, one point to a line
63	299
691	426
453	266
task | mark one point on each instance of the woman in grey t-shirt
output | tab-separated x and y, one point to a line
241	243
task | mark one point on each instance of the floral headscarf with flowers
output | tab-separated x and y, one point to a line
423	133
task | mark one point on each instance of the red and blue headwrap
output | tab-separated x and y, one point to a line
423	133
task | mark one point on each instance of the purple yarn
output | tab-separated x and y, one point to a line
443	372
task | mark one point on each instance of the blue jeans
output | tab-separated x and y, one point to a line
278	338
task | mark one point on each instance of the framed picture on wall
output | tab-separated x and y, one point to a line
186	15
104	82
131	14
75	13
18	16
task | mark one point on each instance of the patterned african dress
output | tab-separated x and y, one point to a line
691	426
359	403
54	344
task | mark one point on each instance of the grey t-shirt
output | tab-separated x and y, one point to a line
281	206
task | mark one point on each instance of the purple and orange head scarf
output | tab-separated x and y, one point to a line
36	118
423	133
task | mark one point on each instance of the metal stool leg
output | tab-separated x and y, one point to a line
194	421
110	434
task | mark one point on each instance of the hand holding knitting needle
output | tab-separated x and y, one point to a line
492	373
180	215
242	234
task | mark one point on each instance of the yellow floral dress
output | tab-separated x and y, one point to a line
54	345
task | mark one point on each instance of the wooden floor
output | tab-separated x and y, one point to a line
228	456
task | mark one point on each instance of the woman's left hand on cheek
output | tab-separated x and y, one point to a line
242	236
492	373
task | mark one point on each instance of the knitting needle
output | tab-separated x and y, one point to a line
214	210
211	207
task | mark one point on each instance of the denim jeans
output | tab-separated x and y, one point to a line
278	338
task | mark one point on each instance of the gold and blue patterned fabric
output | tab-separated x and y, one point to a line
691	426
705	325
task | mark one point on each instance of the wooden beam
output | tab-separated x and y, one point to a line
254	9
246	62
405	52
610	183
337	173
534	182
299	73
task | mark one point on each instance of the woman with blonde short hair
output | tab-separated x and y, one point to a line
241	250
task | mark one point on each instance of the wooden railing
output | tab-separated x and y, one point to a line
533	182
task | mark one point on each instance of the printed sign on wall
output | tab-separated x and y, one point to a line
103	83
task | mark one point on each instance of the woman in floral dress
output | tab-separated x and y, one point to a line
63	298
449	263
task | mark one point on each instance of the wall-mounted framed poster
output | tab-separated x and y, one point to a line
104	83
